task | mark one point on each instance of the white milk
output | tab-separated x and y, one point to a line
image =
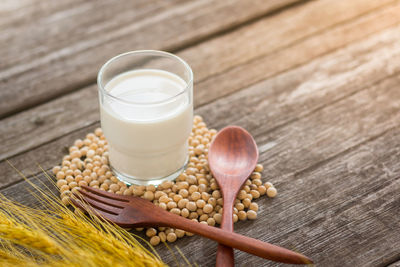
147	141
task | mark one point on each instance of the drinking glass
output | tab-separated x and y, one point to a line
146	111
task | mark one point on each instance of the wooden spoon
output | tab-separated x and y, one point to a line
232	157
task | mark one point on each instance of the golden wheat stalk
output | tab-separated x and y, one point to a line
56	236
65	238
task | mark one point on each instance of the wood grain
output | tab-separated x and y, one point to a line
316	83
295	54
331	192
309	88
347	202
342	211
51	117
275	33
45	156
42	34
330	196
298	234
13	13
272	93
51	65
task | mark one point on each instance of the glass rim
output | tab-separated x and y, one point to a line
154	52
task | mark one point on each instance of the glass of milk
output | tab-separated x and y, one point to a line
146	111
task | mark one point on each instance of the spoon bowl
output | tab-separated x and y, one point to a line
233	152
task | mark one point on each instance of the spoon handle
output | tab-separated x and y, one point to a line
247	244
225	255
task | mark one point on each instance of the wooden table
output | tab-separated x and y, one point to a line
316	82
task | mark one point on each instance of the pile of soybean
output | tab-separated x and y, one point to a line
194	194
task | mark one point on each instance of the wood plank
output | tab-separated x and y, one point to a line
13	13
375	110
58	115
340	214
350	208
329	131
266	90
39	36
56	118
307	89
395	264
52	65
21	192
289	28
294	54
275	110
45	156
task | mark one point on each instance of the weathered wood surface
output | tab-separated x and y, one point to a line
67	120
49	120
52	65
324	210
317	84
